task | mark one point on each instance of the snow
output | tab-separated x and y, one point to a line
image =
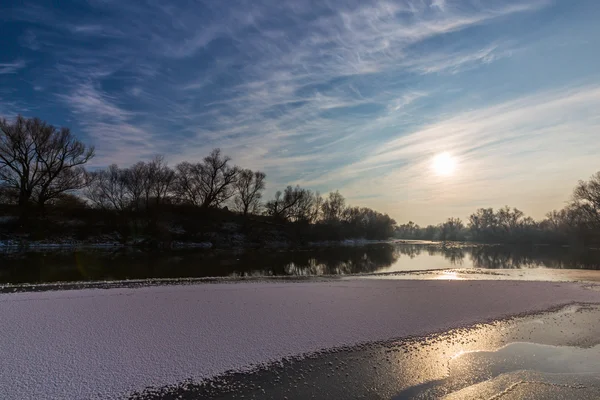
97	343
191	245
348	242
13	245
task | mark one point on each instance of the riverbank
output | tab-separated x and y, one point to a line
15	245
106	243
107	343
171	226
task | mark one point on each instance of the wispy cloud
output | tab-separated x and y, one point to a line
96	30
12	67
335	95
528	152
10	104
118	134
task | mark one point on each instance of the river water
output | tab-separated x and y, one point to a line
383	259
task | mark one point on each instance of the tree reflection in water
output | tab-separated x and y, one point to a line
495	257
53	266
352	260
508	257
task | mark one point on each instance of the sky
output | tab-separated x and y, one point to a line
355	96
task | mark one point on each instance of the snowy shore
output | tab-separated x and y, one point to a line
68	244
98	343
12	245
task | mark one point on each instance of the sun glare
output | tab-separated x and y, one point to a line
444	164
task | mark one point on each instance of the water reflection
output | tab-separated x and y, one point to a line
534	357
53	266
489	374
519	355
507	257
495	257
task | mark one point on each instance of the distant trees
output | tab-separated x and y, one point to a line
330	216
484	225
452	229
213	183
586	200
248	191
41	165
316	212
334	207
126	189
136	180
109	189
577	223
368	223
209	183
39	161
503	225
294	204
409	230
160	180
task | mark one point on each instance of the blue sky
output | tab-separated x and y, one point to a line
351	95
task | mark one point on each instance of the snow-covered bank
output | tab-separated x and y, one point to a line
105	343
11	245
23	245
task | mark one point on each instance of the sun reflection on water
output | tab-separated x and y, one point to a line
449	275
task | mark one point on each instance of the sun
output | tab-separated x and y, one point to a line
443	164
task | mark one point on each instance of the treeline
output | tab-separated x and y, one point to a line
576	224
42	166
215	184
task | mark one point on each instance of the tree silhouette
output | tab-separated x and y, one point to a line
334	207
290	205
586	199
40	161
209	183
249	187
108	189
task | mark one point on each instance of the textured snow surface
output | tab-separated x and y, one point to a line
98	343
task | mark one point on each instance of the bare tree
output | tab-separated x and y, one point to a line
586	199
451	229
317	205
207	184
249	187
217	179
302	210
108	189
68	180
38	159
159	181
483	223
18	166
136	182
509	219
187	182
333	207
275	207
293	204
